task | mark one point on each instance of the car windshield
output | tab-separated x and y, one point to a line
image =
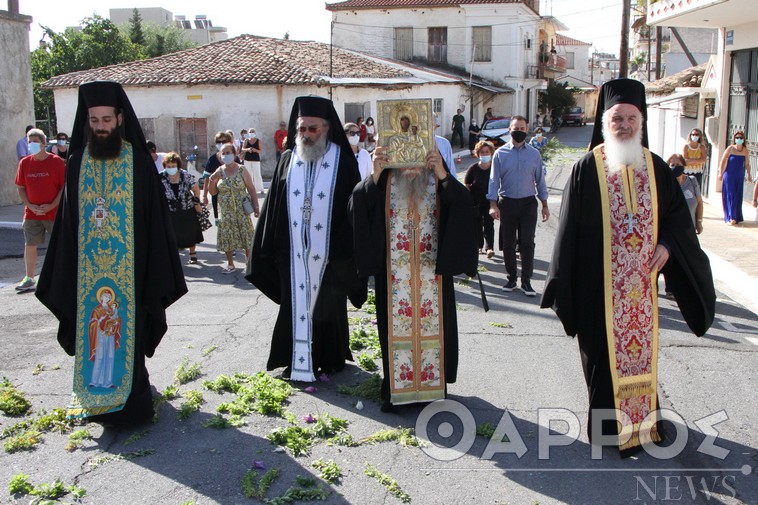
497	124
575	110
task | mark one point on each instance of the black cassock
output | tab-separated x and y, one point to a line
457	254
574	285
269	270
159	280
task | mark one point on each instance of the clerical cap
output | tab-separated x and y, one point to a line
105	94
613	93
317	106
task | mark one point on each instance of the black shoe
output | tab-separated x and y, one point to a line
388	407
510	286
526	287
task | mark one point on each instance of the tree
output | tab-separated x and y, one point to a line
160	40
135	28
558	97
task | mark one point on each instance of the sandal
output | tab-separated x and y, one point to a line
192	258
227	270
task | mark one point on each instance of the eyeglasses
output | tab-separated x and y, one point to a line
352	133
310	129
739	138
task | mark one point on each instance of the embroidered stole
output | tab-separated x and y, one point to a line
630	234
310	191
416	351
105	319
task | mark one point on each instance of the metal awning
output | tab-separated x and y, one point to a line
492	89
677	95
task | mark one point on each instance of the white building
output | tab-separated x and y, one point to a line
493	41
730	78
199	29
182	101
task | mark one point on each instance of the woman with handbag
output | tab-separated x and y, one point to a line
183	197
234	186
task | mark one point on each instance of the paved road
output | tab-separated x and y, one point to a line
513	357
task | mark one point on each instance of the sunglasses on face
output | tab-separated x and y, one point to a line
353	134
310	129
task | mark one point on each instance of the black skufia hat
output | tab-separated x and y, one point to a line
317	106
613	93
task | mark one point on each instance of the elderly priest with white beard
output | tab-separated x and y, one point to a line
623	220
414	230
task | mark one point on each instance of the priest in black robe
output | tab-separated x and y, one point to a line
589	292
124	246
302	254
414	231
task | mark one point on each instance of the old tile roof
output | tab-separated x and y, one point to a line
406	4
688	78
247	59
562	40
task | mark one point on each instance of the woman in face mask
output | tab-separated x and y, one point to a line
214	161
251	154
61	146
694	155
370	135
477	181
183	196
233	184
539	140
365	165
734	167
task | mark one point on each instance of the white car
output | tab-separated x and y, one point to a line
496	130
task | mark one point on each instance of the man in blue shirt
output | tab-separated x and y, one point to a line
517	176
22	146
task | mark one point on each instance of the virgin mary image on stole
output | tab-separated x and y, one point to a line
104	338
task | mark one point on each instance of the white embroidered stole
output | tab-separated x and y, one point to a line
310	190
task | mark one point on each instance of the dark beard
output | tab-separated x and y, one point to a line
106	148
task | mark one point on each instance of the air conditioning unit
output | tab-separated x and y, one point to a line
712	129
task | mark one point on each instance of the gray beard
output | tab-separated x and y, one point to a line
411	188
310	153
623	152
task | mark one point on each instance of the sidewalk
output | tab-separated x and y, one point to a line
733	250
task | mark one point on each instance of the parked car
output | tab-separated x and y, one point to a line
496	130
575	115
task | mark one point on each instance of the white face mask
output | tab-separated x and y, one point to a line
172	170
251	136
227	158
695	138
219	146
353	139
61	143
35	147
485	159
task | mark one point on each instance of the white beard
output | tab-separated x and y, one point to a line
623	152
410	187
313	152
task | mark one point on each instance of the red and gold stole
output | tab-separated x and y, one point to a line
630	234
416	352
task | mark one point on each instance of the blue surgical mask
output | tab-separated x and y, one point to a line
227	158
35	147
172	170
485	159
61	143
739	142
219	146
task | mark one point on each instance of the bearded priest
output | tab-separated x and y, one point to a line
623	220
414	230
302	254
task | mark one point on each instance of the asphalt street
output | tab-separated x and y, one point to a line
517	371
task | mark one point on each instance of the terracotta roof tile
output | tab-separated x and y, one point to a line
405	4
688	78
246	59
562	40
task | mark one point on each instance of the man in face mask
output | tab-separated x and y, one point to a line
39	180
517	176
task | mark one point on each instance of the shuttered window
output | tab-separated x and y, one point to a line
482	41
438	44
404	44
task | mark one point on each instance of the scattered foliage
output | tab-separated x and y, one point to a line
25	435
136	436
19	485
305	489
330	472
297	439
365	337
76	439
192	405
500	325
367	363
187	371
403	436
12	400
128	456
327	426
38	369
388	482
209	350
370	388
255	488
260	392
485	430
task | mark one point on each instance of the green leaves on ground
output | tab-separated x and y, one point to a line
299	440
370	388
367	363
329	471
19	485
497	324
403	436
187	371
127	456
192	405
365	336
388	482
260	393
305	489
255	488
209	350
76	439
12	400
485	430
25	435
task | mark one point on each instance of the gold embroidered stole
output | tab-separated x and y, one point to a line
630	234
416	350
105	320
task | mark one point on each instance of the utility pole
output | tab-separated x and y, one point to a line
658	50
624	50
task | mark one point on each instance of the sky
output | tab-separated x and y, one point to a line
594	21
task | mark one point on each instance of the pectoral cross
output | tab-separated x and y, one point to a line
630	221
306	210
411	228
